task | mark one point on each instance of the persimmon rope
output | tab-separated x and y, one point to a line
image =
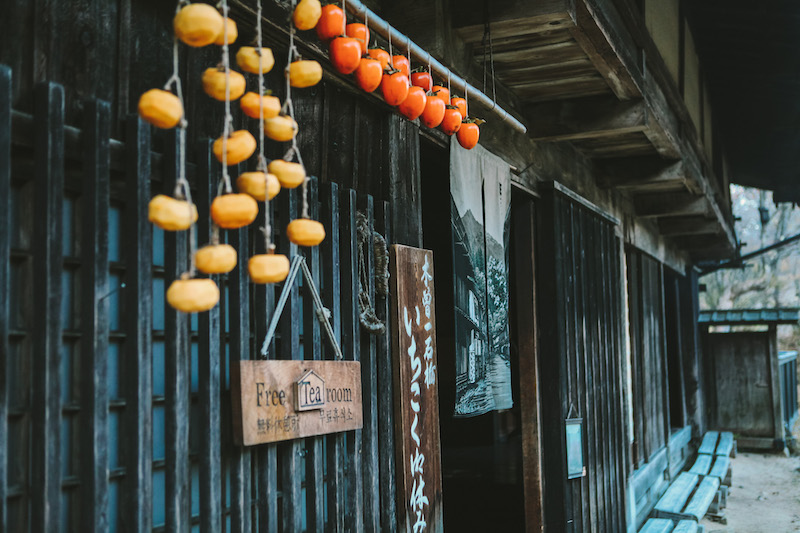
262	161
288	108
181	184
226	128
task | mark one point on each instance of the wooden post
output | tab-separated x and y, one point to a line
413	325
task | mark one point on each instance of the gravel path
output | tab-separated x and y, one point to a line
765	496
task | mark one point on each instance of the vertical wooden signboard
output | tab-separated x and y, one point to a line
419	472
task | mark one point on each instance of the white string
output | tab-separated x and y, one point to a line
262	161
344	16
430	87
226	130
181	183
408	52
288	108
391	55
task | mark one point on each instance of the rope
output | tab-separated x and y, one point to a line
408	53
225	184
391	55
262	161
288	109
344	16
182	190
367	318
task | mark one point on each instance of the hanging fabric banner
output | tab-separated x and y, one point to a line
480	205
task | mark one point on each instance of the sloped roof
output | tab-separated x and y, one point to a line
739	317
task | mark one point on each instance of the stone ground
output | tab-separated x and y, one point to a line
764	497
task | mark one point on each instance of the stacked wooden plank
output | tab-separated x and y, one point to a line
664	525
701	490
688	498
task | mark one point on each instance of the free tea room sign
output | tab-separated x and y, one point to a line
283	400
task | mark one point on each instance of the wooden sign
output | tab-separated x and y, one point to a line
419	472
283	400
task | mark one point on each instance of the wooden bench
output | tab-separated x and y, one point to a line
702	464
722	469
726	445
688	526
689	497
657	525
709	443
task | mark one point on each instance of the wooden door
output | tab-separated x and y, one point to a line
524	297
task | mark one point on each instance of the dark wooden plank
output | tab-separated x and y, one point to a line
584	488
348	239
369	383
527	342
240	348
208	362
415	357
177	364
289	454
549	281
266	464
388	506
138	329
6	98
94	317
331	285
45	474
404	181
586	118
312	349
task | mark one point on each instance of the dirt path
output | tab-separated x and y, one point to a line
765	496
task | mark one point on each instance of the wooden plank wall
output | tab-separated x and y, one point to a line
580	313
648	355
119	404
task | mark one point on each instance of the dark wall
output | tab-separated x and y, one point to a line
648	355
580	314
159	408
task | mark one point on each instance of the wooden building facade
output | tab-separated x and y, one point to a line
115	410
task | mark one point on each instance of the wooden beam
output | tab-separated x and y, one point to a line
605	50
676	227
641	174
542	15
700	243
585	118
669	205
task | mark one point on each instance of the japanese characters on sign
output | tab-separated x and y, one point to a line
282	400
419	462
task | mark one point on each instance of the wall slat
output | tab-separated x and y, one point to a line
581	321
138	330
354	510
94	317
176	366
208	363
369	384
45	480
5	261
331	284
312	349
385	398
289	453
266	455
239	309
